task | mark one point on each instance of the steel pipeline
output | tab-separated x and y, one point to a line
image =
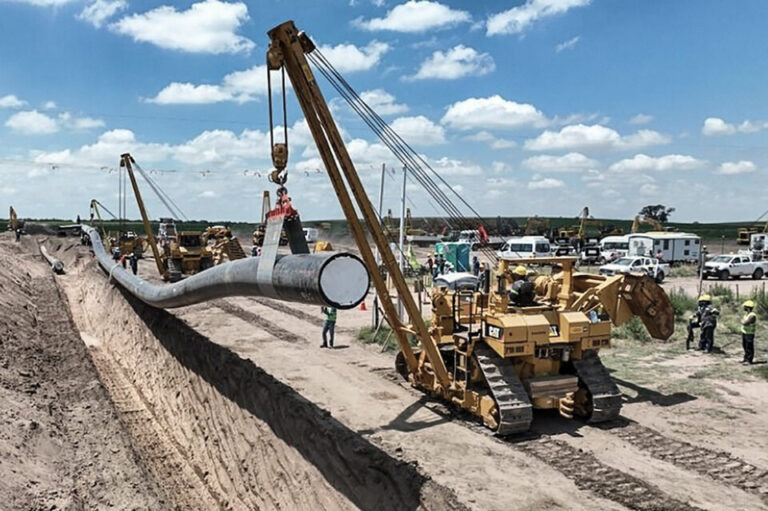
329	279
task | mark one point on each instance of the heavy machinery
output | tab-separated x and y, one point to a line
481	351
183	252
261	228
127	242
535	226
644	220
224	245
744	234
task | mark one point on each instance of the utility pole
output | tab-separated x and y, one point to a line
401	255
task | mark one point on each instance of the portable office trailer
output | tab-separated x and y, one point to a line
674	246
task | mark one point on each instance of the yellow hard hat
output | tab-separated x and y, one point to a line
520	270
749	303
705	298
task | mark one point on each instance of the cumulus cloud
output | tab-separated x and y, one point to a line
493	141
517	19
493	112
45	3
649	189
415	16
714	126
98	12
455	63
571	162
451	167
348	58
32	122
670	162
545	183
11	101
239	86
419	130
593	137
736	167
567	45
206	27
383	102
640	119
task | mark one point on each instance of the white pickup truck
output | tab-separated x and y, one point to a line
734	265
648	265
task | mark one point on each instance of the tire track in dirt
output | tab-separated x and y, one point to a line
253	318
296	313
718	465
180	482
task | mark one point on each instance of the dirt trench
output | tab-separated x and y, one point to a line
235	437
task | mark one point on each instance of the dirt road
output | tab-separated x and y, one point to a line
248	412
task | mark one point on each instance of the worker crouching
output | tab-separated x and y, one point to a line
748	328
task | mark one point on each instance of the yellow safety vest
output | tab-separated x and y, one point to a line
751	327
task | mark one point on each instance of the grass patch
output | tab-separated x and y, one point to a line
685	270
761	371
682	302
384	337
632	329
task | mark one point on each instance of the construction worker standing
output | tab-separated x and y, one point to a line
748	328
707	319
329	324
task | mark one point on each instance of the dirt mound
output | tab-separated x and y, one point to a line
61	443
247	440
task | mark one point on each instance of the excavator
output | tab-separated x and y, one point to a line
644	220
481	352
184	252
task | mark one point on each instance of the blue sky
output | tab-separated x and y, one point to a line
527	107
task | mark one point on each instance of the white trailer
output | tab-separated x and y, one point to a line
673	247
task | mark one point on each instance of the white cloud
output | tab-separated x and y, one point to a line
641	118
208	194
670	162
348	58
49	105
11	101
382	102
44	3
492	112
571	162
493	141
714	126
517	19
545	183
418	130
32	123
206	27
567	45
595	137
238	86
736	167
450	167
416	16
500	167
455	63
649	189
85	123
100	11
189	94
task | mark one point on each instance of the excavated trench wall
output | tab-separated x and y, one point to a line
253	442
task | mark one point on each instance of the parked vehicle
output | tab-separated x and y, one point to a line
525	246
674	247
311	234
458	281
479	238
734	265
613	247
648	265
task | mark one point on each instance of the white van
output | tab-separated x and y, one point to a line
673	246
613	247
525	246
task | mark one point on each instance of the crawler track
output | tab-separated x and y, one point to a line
515	410
606	396
715	464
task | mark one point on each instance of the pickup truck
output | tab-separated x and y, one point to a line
648	265
734	265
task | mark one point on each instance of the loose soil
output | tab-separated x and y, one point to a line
233	405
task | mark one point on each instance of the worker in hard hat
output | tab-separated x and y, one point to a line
707	318
522	291
748	328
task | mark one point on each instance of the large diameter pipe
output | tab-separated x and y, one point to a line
331	279
56	265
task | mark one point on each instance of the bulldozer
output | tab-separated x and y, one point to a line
481	351
224	245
